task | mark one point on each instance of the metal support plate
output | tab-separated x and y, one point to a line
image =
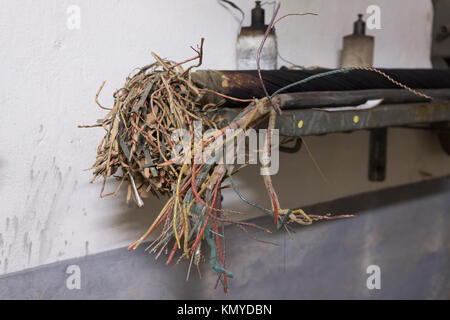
306	122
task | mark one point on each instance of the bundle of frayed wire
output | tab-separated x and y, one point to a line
137	148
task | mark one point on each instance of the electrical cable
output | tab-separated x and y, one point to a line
236	7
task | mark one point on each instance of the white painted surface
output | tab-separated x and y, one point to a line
49	211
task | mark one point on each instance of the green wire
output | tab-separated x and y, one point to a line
319	75
257	206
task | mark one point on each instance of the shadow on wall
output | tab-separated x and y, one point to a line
374	200
363	203
132	220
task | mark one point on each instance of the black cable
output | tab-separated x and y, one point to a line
234	6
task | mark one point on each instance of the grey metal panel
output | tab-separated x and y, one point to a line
404	230
328	99
316	121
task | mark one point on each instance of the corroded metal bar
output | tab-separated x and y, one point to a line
245	84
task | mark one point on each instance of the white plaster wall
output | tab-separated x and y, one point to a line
50	74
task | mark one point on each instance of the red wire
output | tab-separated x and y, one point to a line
211	209
228	97
175	245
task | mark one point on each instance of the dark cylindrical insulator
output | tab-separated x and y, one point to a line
359	27
258	15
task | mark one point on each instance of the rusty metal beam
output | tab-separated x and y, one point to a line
246	84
